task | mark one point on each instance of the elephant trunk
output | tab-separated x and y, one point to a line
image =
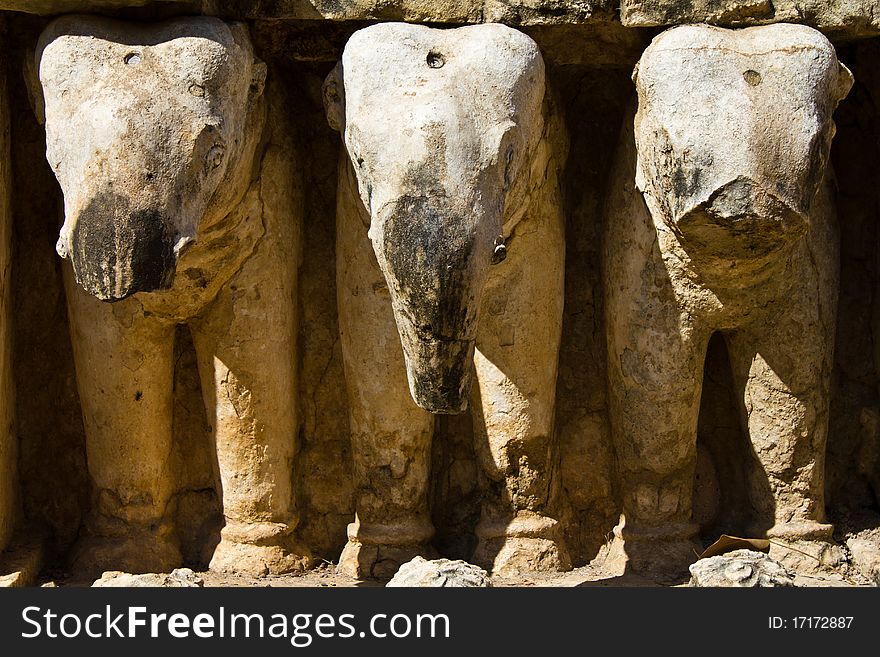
117	248
435	256
742	219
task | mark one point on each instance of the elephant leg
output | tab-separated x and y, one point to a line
513	399
124	371
390	435
246	349
782	366
655	367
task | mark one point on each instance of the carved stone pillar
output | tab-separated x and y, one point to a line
720	219
450	271
179	209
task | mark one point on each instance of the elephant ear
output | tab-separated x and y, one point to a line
241	35
333	93
845	81
258	79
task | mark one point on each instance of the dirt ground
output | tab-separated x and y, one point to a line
592	575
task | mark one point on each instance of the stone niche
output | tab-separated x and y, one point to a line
589	49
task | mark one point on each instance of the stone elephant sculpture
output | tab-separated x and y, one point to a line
720	219
449	268
180	207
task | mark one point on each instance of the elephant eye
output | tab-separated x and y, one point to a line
507	166
214	158
499	250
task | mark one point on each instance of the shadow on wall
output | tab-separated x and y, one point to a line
199	513
731	491
594	101
52	460
853	457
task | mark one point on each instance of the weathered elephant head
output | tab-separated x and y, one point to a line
149	129
440	127
733	133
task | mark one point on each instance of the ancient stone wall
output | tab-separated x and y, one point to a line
589	50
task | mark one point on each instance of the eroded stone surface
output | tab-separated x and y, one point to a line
175	209
728	227
64	6
865	550
439	573
517	12
449	244
177	578
740	568
850	17
514	12
139	177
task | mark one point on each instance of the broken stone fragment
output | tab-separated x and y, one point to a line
740	568
865	550
177	578
440	573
